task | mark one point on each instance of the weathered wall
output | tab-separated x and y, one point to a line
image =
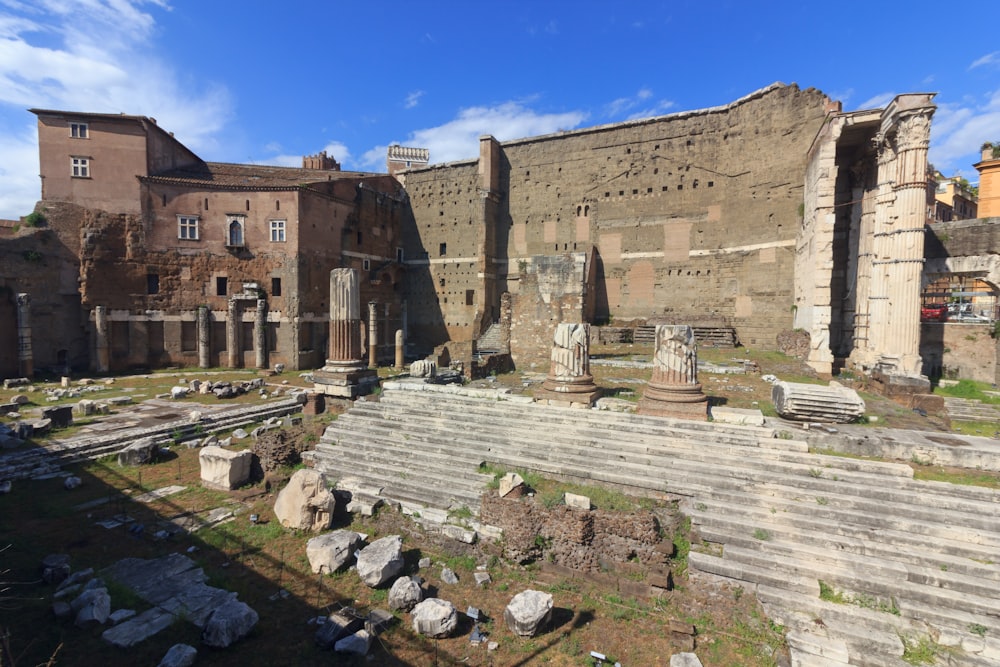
692	214
958	350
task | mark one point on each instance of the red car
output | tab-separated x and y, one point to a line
934	313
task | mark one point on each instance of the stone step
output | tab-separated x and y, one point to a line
822	533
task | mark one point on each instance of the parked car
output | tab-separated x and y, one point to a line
934	313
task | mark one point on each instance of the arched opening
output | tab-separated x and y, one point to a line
236	234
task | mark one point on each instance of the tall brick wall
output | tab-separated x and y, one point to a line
691	215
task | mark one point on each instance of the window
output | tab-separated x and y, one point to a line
470	297
366	265
221	286
275	286
78	130
277	231
152	283
187	227
81	167
235	234
399	255
443	249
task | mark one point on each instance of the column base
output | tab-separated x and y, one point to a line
679	402
344	380
898	386
578	392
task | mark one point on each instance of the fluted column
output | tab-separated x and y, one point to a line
345	319
204	337
101	339
569	379
372	334
674	390
25	356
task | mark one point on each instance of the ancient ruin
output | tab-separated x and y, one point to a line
674	390
569	381
345	373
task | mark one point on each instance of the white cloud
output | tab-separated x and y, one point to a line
959	130
877	102
335	149
95	55
20	187
458	138
988	59
413	99
627	107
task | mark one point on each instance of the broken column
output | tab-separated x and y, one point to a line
400	361
814	402
204	337
373	334
674	390
569	380
260	334
25	358
101	340
344	373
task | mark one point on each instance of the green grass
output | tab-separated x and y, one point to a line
919	650
969	389
962	477
981	429
829	594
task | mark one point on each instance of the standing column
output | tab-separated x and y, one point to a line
674	390
372	334
25	358
260	334
233	326
569	380
101	339
204	338
344	374
399	349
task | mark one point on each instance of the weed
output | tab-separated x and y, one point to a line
570	646
944	568
761	534
821	500
977	629
919	650
701	507
829	594
35	219
815	472
462	512
963	477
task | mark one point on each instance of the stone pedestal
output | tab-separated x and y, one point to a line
674	390
569	381
344	374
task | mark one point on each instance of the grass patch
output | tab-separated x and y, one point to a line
960	476
981	429
761	534
829	594
863	600
919	650
969	389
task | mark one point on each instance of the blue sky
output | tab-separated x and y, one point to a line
267	82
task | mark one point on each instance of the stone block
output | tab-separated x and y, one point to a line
305	503
223	468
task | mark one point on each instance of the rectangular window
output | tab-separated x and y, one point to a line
275	286
189	337
187	227
221	286
399	255
442	249
81	167
78	130
470	297
152	283
366	265
277	231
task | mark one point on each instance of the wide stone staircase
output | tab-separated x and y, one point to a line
971	410
903	563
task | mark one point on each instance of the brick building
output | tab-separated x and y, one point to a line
187	262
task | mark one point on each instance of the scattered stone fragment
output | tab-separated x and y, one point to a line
381	560
179	655
120	615
55	568
332	551
230	621
511	484
305	503
358	642
378	621
482	578
576	501
72	482
685	660
179	392
448	576
239	434
424	563
405	594
76	578
138	453
61	609
92	606
435	617
528	612
223	468
335	627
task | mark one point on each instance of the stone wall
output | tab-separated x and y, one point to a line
958	350
691	214
582	540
